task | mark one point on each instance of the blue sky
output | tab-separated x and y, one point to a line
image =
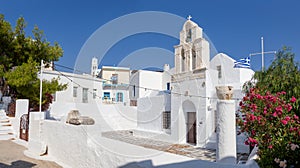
234	26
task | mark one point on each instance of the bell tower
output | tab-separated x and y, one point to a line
94	66
192	53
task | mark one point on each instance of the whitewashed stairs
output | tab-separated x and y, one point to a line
6	129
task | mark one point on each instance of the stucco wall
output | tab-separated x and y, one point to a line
145	79
230	75
123	74
192	98
85	81
149	112
73	146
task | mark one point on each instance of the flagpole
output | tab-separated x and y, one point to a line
41	86
262	55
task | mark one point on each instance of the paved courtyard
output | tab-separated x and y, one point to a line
12	156
180	149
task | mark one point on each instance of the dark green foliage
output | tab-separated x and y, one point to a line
282	75
20	58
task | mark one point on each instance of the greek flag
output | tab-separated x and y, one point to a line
242	63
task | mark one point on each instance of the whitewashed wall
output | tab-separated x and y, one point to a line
230	75
149	112
85	81
123	74
72	146
145	79
197	102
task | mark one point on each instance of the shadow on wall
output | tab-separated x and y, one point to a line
18	164
189	164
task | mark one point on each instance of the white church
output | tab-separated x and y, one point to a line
186	111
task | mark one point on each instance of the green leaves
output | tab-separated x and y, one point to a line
282	75
20	58
279	111
22	75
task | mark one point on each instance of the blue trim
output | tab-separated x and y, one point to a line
117	97
106	94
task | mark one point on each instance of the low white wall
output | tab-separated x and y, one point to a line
36	145
73	146
22	106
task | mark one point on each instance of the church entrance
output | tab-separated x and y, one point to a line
191	128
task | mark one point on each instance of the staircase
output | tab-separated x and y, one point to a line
6	129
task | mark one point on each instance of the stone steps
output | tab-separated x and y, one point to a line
6	129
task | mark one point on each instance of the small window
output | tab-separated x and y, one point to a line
219	71
106	95
114	79
168	86
94	93
75	91
193	59
189	36
119	97
166	120
133	90
85	95
182	61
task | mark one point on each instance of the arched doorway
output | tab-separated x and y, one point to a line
191	120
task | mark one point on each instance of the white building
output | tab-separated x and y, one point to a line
187	113
145	82
115	84
80	89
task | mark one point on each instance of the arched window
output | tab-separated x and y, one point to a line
194	59
182	60
189	36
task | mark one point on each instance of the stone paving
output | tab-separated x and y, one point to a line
12	156
180	149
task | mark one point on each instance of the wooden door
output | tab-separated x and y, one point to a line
24	127
191	128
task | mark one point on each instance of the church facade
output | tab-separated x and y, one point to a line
187	114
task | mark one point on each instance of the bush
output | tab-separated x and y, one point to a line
270	123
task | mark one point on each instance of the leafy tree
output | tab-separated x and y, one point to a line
282	75
270	112
20	58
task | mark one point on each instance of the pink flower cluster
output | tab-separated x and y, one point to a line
251	141
265	114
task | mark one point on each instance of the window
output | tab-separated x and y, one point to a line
84	95
133	90
166	120
168	86
219	71
119	97
75	91
193	59
189	36
106	95
182	61
94	93
114	79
